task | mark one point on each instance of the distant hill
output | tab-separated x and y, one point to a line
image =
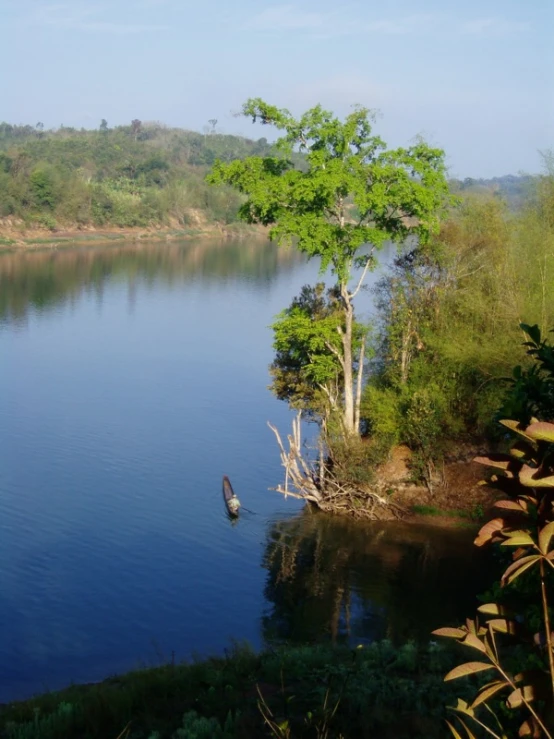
514	189
140	175
136	175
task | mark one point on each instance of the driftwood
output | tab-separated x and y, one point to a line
298	473
325	491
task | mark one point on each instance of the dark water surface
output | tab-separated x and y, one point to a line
131	379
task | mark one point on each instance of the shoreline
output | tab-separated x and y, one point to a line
13	239
225	696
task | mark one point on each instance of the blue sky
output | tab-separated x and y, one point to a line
476	78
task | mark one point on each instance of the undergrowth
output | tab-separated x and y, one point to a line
381	691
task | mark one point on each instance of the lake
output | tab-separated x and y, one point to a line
133	377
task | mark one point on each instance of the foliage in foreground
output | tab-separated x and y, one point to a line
381	691
521	656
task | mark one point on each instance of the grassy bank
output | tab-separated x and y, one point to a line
377	690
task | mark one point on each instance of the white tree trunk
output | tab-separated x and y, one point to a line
359	387
346	336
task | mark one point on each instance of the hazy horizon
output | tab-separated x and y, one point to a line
476	81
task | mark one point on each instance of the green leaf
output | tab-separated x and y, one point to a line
468	668
533	332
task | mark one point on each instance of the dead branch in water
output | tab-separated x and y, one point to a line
302	481
297	470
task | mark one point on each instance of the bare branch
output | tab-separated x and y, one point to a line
334	350
353	294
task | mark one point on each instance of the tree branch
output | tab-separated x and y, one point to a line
353	294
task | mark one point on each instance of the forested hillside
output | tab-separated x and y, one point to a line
513	189
138	175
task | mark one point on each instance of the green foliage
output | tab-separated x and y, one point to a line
333	188
381	410
424	422
44	186
525	524
512	189
199	727
353	461
532	391
448	315
56	723
138	175
305	370
345	167
381	690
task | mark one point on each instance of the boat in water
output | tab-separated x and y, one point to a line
231	500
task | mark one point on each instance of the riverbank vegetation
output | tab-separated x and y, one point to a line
448	331
513	635
471	280
428	371
144	177
141	175
306	691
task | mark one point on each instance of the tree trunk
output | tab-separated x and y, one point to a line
405	353
359	387
348	414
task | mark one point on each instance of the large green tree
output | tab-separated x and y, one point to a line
339	201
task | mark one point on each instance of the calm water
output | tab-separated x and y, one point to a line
132	378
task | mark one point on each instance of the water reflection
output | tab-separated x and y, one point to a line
116	432
349	580
50	277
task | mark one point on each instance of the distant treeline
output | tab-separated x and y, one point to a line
140	175
514	189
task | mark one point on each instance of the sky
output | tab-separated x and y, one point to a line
475	78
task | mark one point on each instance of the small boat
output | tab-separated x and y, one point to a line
231	500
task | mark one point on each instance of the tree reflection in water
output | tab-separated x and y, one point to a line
45	278
346	580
